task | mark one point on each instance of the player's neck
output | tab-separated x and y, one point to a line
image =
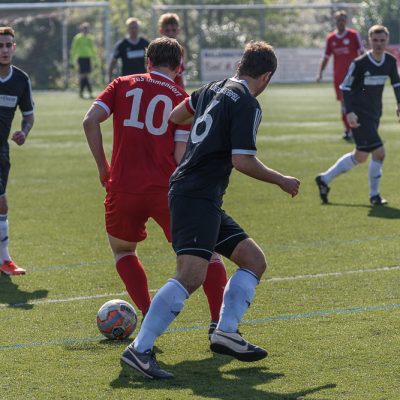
164	71
377	56
4	70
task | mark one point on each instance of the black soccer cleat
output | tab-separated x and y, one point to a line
232	344
323	189
377	200
211	329
348	137
145	363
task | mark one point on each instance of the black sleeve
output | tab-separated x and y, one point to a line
25	102
347	86
244	126
117	50
395	80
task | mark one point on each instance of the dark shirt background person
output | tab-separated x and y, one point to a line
130	50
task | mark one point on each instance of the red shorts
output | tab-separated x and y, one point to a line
126	214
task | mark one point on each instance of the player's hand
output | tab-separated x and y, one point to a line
104	175
352	119
19	137
290	185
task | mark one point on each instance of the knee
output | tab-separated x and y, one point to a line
250	256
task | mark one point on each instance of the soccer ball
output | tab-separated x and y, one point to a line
116	319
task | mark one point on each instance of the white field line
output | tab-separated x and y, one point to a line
285	278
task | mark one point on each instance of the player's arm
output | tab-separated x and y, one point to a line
27	121
111	67
395	81
91	125
322	67
250	165
183	113
347	89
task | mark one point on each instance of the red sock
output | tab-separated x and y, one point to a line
345	123
132	273
214	286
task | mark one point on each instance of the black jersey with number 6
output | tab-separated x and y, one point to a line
15	90
225	123
364	83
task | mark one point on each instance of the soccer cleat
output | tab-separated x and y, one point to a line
145	363
232	344
377	200
348	137
211	329
323	189
10	268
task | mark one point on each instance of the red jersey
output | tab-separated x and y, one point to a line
143	142
345	48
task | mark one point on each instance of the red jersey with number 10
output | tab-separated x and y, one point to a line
143	142
345	48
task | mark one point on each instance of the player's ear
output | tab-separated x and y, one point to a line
149	65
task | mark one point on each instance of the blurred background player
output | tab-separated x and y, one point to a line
83	54
168	25
146	149
130	50
362	90
345	45
15	90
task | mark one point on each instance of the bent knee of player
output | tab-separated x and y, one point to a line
248	254
121	248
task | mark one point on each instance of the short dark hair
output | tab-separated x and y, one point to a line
165	52
258	58
7	30
378	29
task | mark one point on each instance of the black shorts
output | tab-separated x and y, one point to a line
85	66
366	136
199	227
4	166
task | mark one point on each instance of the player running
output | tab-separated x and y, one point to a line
362	90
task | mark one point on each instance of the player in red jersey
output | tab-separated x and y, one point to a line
345	45
146	149
168	25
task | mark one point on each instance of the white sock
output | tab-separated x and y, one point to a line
238	294
374	176
342	165
164	308
4	255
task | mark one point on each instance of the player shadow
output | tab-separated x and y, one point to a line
204	379
373	211
17	298
384	212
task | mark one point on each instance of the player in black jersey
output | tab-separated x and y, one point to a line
362	91
223	136
15	90
131	50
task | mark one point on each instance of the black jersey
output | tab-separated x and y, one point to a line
15	90
131	55
226	120
363	85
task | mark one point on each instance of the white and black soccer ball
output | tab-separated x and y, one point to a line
116	319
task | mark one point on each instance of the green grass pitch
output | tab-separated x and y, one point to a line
328	308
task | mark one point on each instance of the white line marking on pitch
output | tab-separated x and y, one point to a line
284	278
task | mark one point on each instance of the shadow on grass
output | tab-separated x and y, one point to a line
373	211
203	378
14	297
